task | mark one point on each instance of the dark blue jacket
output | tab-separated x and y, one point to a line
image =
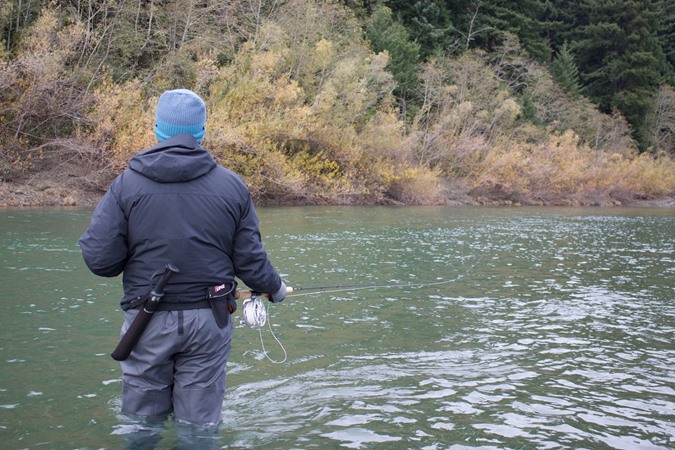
175	205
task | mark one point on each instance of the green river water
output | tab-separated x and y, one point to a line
518	328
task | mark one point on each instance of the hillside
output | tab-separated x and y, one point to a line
314	102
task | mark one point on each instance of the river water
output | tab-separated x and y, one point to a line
495	329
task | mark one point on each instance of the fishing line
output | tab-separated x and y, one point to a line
393	284
254	315
360	287
269	325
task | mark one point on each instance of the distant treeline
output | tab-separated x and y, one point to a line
352	102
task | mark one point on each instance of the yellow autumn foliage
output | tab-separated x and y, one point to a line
346	144
417	186
123	120
563	170
303	109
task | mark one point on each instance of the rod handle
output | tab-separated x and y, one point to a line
242	294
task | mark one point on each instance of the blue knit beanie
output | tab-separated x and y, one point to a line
180	111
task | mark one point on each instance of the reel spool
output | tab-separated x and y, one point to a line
254	313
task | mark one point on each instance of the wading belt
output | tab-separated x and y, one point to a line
225	288
168	306
199	304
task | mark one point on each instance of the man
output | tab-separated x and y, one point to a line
175	205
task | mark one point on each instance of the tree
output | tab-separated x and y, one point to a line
485	24
662	121
559	19
565	71
386	34
666	35
471	26
521	17
16	16
427	20
618	58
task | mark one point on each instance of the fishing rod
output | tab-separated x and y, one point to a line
346	287
255	313
296	290
245	294
329	289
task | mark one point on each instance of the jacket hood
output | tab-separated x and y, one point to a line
174	160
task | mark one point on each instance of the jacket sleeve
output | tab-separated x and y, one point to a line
104	243
250	259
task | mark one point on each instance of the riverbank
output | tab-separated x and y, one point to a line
14	195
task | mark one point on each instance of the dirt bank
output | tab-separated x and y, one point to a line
25	195
15	195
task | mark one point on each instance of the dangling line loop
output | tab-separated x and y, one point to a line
254	315
269	325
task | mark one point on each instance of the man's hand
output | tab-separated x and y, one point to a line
280	295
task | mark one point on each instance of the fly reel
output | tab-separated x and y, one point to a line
254	312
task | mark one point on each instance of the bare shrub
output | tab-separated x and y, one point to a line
122	120
661	121
315	104
558	111
564	170
466	110
415	186
39	96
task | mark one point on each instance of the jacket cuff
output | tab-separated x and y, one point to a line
280	294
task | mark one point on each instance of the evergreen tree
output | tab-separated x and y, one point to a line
387	34
666	34
483	24
618	57
556	23
521	17
427	20
565	71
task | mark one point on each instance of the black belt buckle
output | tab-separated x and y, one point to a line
222	302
